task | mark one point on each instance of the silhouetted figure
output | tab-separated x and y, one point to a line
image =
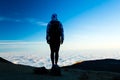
54	37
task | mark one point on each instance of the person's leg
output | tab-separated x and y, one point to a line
52	54
57	53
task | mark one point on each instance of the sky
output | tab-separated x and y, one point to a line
88	24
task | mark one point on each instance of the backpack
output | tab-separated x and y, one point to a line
54	30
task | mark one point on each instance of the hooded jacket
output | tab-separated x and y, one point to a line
54	32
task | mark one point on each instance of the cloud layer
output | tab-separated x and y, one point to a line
25	20
64	60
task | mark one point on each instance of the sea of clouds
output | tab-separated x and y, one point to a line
64	59
37	61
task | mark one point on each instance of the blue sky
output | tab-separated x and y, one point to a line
87	23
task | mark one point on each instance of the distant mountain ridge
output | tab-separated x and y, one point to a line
111	65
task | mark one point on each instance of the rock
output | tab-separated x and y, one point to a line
55	71
41	70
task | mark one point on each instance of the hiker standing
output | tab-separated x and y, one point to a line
54	37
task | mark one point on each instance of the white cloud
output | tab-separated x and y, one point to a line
12	42
18	44
41	23
9	19
30	20
1	19
36	21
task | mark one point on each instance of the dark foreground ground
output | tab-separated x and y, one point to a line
110	65
107	69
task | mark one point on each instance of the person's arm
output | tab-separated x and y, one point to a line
62	33
47	33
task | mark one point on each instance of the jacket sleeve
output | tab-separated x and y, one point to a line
47	32
62	31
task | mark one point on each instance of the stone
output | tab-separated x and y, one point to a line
55	70
41	70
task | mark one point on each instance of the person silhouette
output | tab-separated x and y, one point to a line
54	37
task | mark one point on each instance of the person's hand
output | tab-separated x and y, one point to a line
48	41
61	42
